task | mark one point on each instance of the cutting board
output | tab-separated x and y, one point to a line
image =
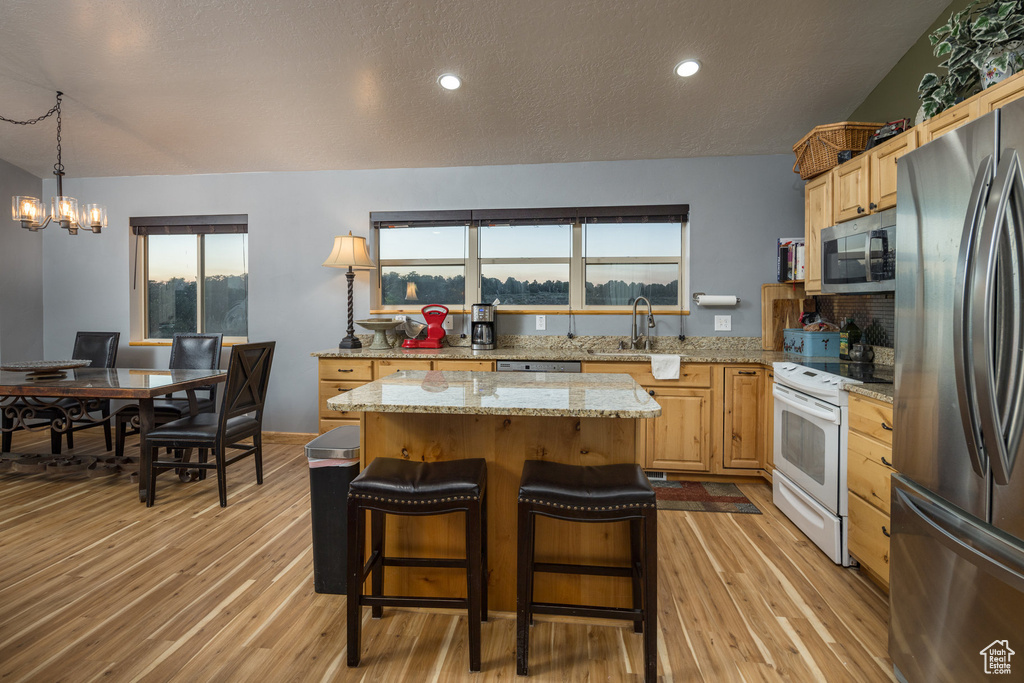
781	305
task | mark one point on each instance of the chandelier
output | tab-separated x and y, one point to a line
63	210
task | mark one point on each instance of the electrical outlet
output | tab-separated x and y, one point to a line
723	323
400	318
542	322
449	323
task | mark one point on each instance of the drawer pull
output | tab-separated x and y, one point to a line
747	372
349	370
886	427
651	392
885	532
341	389
886	462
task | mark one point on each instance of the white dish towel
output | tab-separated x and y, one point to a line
665	366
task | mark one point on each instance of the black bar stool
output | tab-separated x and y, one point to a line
399	487
606	493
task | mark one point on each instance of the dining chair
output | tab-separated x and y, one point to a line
188	352
239	419
101	349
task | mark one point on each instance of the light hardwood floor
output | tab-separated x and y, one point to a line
94	586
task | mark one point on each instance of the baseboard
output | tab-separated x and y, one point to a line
295	438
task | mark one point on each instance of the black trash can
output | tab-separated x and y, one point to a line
333	464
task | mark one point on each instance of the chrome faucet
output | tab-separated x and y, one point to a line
634	338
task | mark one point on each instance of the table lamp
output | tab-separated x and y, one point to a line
350	252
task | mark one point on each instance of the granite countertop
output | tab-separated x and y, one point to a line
500	393
880	392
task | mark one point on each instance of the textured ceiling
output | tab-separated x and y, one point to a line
210	86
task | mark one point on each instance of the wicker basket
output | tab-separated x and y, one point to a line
818	151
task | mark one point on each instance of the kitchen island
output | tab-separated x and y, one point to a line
506	418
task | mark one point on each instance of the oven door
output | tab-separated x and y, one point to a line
807	444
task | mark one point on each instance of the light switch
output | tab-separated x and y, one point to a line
542	322
723	323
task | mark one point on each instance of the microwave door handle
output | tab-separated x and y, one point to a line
982	310
826	415
961	337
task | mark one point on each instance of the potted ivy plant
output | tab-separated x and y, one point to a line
982	44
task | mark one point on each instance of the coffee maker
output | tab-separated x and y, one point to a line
483	334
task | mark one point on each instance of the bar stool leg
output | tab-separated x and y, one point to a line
377	522
650	524
354	588
636	560
524	588
474	557
485	576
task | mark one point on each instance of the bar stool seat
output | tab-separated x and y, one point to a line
400	487
604	493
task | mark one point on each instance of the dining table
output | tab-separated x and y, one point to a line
22	395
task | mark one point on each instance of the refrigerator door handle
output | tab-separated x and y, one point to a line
998	444
962	351
952	530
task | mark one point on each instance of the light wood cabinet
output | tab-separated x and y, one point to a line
850	189
869	475
680	439
944	122
817	217
882	169
383	368
743	443
464	365
1000	94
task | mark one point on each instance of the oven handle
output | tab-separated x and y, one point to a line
821	414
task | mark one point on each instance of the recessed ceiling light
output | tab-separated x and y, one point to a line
449	81
687	67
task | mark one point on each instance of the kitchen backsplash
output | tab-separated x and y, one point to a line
875	315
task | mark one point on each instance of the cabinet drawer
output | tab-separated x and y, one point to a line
690	374
346	369
389	367
331	389
465	365
867	537
327	425
868	476
871	418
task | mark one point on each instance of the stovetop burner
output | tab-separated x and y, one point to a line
869	373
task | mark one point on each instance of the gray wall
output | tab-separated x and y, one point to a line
739	207
21	272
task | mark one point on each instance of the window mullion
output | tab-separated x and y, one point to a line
200	280
576	268
471	294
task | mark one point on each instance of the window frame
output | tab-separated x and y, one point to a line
577	218
141	228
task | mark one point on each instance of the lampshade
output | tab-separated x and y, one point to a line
349	251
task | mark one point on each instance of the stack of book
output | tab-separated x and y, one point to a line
791	259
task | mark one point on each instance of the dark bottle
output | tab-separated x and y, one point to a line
849	334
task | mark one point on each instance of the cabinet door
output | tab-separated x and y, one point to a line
882	169
390	367
743	445
869	537
951	119
817	217
1001	94
850	189
680	439
768	417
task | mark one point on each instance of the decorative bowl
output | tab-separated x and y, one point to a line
45	369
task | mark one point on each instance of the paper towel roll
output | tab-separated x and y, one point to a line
716	300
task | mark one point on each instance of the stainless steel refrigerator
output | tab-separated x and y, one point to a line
957	554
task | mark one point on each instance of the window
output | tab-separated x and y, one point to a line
191	275
595	258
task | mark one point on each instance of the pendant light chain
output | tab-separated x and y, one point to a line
55	109
58	168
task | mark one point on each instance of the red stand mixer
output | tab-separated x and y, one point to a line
434	315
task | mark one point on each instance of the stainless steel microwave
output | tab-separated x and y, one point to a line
859	256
